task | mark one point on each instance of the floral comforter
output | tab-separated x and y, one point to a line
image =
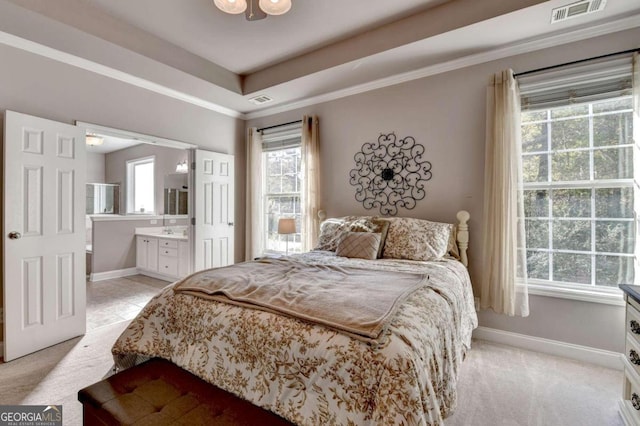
313	375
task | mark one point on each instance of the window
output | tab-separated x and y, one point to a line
579	192
282	184
282	197
141	186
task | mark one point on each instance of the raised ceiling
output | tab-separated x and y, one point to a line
244	47
320	50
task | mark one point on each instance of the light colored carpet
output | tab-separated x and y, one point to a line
502	385
53	376
499	385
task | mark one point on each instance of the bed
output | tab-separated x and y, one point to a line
315	373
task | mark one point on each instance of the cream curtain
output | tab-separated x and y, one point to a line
503	286
310	226
636	160
253	210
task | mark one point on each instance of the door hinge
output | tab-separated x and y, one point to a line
193	221
193	165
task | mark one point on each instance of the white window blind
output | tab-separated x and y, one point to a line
281	137
580	83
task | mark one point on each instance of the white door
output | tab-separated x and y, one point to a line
213	199
44	233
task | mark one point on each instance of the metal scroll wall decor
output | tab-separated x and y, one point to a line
390	173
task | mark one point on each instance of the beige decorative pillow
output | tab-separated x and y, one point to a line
378	226
332	229
363	245
416	239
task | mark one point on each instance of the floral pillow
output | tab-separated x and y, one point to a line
417	239
332	229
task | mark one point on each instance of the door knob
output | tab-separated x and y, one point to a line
14	235
230	224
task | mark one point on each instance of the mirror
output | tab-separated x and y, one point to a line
176	194
103	198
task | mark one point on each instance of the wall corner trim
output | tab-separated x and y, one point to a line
581	353
118	273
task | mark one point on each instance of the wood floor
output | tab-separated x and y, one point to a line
119	299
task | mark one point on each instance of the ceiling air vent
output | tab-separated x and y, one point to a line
260	100
577	9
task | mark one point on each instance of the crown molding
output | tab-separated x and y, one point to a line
470	60
466	61
88	65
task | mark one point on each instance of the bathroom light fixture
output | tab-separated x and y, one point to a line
94	140
254	9
182	167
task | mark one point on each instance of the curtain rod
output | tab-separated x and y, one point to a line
280	125
575	62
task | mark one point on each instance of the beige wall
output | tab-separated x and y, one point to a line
446	113
114	244
95	167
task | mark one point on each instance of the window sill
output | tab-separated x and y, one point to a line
608	297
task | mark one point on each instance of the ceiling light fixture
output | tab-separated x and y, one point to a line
254	9
93	140
275	7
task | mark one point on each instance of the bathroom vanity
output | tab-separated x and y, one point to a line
162	255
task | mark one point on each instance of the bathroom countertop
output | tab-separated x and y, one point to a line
178	235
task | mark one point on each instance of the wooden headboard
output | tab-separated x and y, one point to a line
462	236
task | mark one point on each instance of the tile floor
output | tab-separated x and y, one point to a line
119	299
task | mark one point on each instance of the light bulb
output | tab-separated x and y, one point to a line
275	7
233	7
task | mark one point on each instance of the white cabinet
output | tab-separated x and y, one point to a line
147	253
164	258
168	257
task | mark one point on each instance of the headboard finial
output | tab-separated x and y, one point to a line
322	215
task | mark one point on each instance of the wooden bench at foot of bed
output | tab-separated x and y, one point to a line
161	393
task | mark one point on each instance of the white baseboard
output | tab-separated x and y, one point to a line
158	276
118	273
599	357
